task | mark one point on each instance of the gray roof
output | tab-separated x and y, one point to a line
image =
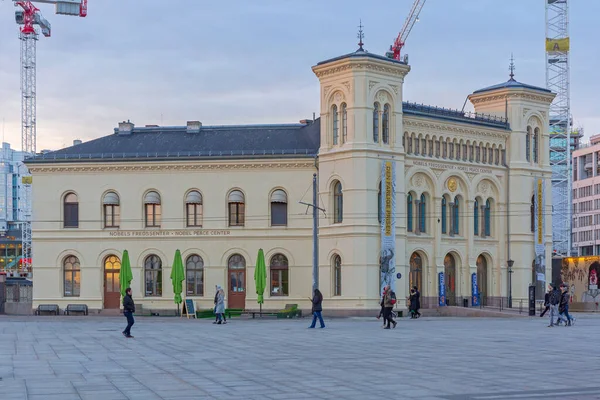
362	53
236	141
512	84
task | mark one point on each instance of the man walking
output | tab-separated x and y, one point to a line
554	300
546	302
128	310
389	299
563	306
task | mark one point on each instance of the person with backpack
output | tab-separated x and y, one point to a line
554	300
389	300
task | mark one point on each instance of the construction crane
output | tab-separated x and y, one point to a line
29	16
413	17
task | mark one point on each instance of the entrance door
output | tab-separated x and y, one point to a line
450	278
236	297
112	288
482	279
416	271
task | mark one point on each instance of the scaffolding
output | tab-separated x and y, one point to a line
562	140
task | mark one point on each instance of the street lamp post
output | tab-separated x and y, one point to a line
510	271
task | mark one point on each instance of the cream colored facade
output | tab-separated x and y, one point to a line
354	84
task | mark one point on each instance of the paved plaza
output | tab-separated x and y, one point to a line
65	358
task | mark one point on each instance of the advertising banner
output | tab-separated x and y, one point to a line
474	290
540	225
442	289
387	257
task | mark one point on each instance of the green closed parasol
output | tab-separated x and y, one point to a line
177	278
260	278
125	275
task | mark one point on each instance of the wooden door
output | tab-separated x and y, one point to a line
112	288
236	276
450	272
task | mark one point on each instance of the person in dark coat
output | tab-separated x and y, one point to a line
215	309
128	310
381	311
415	302
317	308
546	302
389	299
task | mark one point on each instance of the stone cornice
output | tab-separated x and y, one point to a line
427	124
158	167
480	98
360	64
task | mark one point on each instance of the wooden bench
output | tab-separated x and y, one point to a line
49	308
78	308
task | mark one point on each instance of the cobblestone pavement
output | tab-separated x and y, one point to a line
64	358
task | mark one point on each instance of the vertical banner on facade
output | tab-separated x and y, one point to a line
442	289
474	290
540	241
387	257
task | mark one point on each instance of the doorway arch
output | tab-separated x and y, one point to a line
482	278
450	279
112	287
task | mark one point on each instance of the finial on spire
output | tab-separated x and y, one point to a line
360	36
511	68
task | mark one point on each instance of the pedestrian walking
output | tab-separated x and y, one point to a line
554	300
381	311
415	303
546	302
128	310
216	299
317	308
220	306
389	300
563	307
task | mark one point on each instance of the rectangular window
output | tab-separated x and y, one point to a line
71	217
504	158
153	282
451	151
236	214
72	284
153	215
111	216
430	147
445	149
490	156
194	214
278	214
279	282
471	153
437	148
478	154
464	152
423	147
458	152
194	280
417	150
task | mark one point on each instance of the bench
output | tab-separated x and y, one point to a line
49	308
82	308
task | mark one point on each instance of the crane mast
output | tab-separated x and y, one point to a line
29	16
412	18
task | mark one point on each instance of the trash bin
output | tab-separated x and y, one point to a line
465	302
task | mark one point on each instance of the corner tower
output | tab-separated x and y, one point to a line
361	126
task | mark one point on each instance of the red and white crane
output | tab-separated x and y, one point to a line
29	16
413	17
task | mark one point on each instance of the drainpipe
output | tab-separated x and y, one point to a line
508	259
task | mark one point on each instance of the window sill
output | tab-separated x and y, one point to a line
193	226
70	227
152	227
278	295
279	226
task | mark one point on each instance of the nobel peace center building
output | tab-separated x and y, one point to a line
411	195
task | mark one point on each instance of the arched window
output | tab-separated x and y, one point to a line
193	208
71	211
455	216
476	218
278	208
385	121
336	131
344	123
237	209
528	144
337	275
237	281
376	123
444	216
490	155
488	218
112	214
72	276
153	275
536	142
458	151
478	153
379	208
422	214
409	213
496	156
338	203
279	275
532	214
194	275
153	210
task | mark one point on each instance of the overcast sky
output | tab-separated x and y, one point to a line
239	61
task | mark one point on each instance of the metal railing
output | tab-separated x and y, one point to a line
468	116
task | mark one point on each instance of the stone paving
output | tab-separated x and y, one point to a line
65	358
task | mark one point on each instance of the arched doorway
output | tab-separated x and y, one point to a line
112	287
482	279
236	266
450	279
415	277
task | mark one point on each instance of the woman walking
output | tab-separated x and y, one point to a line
415	303
220	306
216	299
317	308
389	299
128	310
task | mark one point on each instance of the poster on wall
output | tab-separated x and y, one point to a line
387	256
474	290
442	289
540	225
581	276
